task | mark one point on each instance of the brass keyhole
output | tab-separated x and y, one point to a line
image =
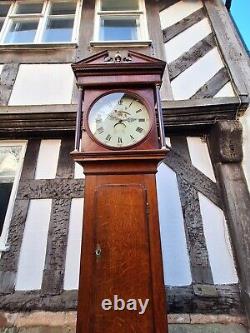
98	250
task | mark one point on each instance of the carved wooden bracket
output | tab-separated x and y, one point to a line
226	141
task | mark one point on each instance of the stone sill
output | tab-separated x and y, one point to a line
41	46
136	43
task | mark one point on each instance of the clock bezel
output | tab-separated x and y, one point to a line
129	92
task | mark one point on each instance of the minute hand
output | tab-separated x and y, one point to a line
130	120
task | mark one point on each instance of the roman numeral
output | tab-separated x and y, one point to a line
131	136
100	130
131	103
108	137
119	140
140	110
120	102
139	129
142	120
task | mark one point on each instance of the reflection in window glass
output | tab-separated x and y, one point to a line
63	8
31	8
58	30
21	32
114	5
4	8
9	160
5	192
118	28
37	21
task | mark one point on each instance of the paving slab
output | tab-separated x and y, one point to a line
173	328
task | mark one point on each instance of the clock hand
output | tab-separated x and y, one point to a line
120	122
130	120
112	117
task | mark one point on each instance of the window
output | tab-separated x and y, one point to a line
37	22
4	8
120	21
11	157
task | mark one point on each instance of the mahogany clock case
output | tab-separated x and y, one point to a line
121	249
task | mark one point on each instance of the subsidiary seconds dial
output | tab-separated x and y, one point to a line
119	120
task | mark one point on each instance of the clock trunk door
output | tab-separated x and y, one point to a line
122	259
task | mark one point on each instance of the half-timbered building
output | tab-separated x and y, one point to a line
203	184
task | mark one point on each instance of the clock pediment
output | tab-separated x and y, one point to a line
108	57
118	62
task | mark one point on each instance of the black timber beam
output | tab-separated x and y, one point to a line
54	120
225	144
224	299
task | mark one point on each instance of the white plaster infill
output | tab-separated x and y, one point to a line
178	11
193	78
51	84
175	258
187	39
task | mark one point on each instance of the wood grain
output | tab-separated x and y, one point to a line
190	57
120	205
214	85
182	25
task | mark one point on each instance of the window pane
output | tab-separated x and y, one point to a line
119	5
9	159
4	8
63	8
22	32
5	191
118	29
58	30
31	8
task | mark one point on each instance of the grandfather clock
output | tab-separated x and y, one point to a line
121	278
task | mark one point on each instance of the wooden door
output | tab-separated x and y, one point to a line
122	266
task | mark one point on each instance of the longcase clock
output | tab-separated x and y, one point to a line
121	286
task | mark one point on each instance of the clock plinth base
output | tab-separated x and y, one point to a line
121	253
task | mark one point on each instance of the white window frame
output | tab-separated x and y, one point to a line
42	19
9	212
143	37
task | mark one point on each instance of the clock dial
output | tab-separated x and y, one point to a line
119	120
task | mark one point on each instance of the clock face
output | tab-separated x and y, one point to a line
119	120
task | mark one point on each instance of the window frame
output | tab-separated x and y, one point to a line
143	36
10	209
42	19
